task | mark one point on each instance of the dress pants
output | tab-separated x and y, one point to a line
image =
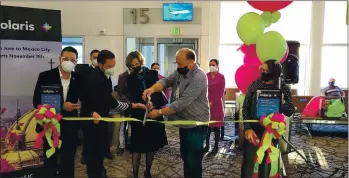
249	156
192	150
50	164
110	136
69	137
96	144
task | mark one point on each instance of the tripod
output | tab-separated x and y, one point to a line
294	149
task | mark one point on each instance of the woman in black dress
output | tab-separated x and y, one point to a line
150	137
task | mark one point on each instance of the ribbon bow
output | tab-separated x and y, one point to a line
47	117
275	127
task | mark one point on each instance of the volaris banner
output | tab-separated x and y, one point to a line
29	40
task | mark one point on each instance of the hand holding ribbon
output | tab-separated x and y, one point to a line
47	117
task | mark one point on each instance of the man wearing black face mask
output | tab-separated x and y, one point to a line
189	101
270	79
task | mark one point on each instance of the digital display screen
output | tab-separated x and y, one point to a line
268	102
51	95
177	12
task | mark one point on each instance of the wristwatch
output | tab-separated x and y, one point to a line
160	112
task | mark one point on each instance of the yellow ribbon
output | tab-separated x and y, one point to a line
127	119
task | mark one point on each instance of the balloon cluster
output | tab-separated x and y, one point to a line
259	46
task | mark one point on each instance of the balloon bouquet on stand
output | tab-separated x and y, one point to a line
260	46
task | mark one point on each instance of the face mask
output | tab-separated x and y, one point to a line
94	62
109	72
137	69
331	83
267	77
67	66
213	69
183	71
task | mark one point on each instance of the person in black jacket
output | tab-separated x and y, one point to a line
97	103
150	137
65	77
269	80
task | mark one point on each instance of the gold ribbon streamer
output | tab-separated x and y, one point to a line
127	119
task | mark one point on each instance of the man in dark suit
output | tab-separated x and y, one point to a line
84	74
65	77
98	103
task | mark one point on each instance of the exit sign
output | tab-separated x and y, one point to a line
175	31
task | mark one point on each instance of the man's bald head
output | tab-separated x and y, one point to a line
185	57
332	80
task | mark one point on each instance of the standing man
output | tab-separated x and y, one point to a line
93	64
93	58
65	77
123	93
189	102
97	103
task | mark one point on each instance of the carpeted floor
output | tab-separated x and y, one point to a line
331	154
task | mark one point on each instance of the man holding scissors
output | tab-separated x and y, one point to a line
188	102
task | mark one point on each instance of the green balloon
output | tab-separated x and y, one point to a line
250	27
271	45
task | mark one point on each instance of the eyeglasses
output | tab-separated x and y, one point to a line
73	60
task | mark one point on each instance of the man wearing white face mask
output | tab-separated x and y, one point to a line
98	101
93	58
65	77
93	64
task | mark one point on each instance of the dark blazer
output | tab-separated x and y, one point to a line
52	77
134	88
98	98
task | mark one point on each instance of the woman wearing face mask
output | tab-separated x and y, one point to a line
150	137
270	79
216	87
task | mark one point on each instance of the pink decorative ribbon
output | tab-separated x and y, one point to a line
275	127
46	116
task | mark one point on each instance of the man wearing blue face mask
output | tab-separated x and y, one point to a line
332	90
98	101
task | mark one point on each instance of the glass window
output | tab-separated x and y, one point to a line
334	65
294	24
77	43
229	61
335	28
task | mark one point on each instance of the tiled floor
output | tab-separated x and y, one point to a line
330	152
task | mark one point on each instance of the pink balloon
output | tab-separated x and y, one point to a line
245	75
250	57
285	57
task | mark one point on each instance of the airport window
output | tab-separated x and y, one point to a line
297	13
77	43
334	50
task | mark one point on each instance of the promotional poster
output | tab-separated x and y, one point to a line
30	42
268	101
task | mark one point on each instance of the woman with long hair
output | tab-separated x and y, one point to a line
216	87
151	136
